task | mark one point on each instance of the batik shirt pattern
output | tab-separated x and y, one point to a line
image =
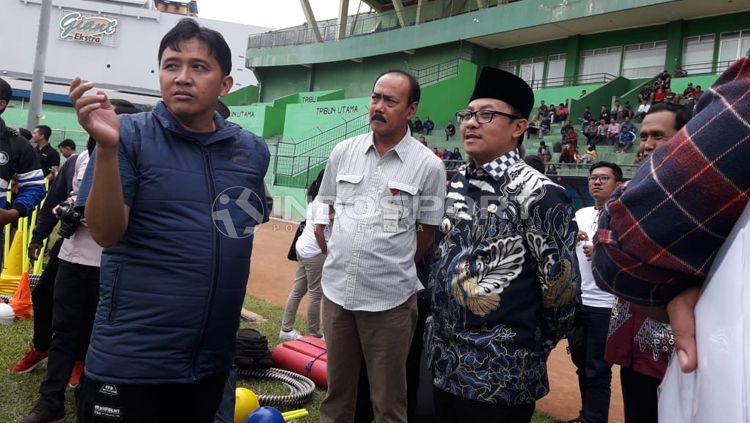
504	284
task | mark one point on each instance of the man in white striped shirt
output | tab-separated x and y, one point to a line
387	190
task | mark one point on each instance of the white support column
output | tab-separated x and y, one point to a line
420	10
311	22
399	12
343	15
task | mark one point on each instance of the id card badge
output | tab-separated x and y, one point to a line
390	219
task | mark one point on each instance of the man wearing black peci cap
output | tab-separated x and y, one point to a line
505	285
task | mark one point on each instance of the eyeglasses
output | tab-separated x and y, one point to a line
483	116
603	178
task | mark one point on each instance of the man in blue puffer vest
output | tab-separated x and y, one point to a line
174	196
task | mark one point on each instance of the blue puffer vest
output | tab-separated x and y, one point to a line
172	288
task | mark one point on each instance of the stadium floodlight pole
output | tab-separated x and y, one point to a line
40	59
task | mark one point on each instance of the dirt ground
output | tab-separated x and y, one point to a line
271	278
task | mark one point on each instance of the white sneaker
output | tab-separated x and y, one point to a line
290	335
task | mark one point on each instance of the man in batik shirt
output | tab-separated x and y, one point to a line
505	283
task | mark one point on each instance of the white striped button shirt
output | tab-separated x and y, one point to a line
379	201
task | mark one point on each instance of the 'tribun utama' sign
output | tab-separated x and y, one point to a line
94	29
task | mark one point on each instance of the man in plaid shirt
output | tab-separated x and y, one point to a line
658	238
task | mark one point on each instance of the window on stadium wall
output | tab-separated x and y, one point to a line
732	46
532	71
509	66
698	53
596	62
555	70
644	60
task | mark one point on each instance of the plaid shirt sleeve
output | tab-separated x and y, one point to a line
661	234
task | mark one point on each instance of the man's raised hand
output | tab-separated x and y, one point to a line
95	113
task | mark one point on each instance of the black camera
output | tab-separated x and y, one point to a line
69	219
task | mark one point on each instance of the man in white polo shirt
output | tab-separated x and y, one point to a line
589	336
387	190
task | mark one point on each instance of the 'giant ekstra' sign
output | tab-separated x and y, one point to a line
94	29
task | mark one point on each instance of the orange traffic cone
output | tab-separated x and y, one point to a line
21	301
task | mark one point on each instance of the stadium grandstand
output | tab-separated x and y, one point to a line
315	79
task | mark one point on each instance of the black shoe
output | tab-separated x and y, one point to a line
44	415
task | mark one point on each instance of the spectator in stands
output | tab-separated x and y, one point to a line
604	113
601	132
67	148
561	113
625	140
447	155
585	118
643	109
670	96
628	124
535	127
569	153
613	131
591	153
697	93
659	95
543	152
616	112
679	72
429	125
689	90
546	125
665	80
456	154
551	169
542	111
552	113
627	110
590	130
646	94
423	140
418	125
571	135
450	130
437	152
49	158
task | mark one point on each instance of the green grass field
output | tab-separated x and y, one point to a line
18	393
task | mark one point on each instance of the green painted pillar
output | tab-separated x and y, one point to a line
572	57
673	57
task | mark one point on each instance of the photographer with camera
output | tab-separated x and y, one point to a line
75	298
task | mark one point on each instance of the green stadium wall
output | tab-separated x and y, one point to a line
305	120
242	97
441	101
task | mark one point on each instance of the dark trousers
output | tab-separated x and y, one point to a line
41	297
363	413
450	408
639	397
587	342
197	402
75	300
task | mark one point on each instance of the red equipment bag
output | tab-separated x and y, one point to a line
306	356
